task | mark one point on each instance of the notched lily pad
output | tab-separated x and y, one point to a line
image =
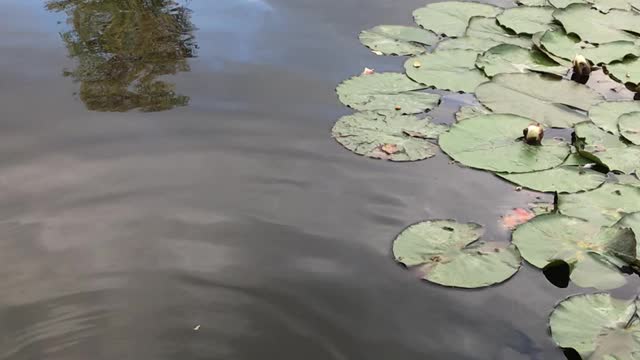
605	114
545	99
595	27
471	111
451	18
488	29
594	254
566	46
386	91
597	326
526	19
388	136
467	43
603	206
626	72
453	70
493	142
629	127
449	253
607	149
397	40
507	58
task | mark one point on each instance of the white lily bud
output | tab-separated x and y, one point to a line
533	134
581	66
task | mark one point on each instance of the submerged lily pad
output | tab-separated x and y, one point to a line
397	39
489	29
470	111
605	115
607	149
467	43
388	136
563	179
451	18
629	126
566	46
526	19
449	253
626	71
593	253
597	326
547	100
453	70
386	91
595	27
602	206
493	142
508	58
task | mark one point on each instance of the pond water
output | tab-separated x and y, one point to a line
169	190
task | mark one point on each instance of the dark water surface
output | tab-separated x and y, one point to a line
161	169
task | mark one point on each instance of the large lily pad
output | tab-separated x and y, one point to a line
489	29
508	58
629	126
492	142
451	18
537	42
595	27
386	91
566	46
607	149
605	115
603	206
563	179
526	19
561	4
397	39
593	253
387	136
626	72
597	326
546	100
453	70
467	43
449	253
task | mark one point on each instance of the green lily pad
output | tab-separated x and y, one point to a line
629	126
597	326
508	58
625	179
567	46
593	253
388	136
526	19
546	100
451	18
563	179
397	40
605	115
607	149
561	4
537	42
632	221
449	253
453	70
606	5
470	111
595	27
626	72
534	2
602	206
386	91
489	29
467	43
492	142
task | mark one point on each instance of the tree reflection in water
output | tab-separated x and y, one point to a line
123	47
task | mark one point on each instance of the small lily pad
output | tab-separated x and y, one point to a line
493	142
453	70
397	39
563	179
548	100
470	111
508	58
629	126
526	19
593	253
388	136
595	27
566	46
597	326
489	29
602	206
605	114
449	253
451	18
386	91
607	149
626	71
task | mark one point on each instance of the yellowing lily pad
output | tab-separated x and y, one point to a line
449	253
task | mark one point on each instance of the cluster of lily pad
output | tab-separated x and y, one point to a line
518	63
